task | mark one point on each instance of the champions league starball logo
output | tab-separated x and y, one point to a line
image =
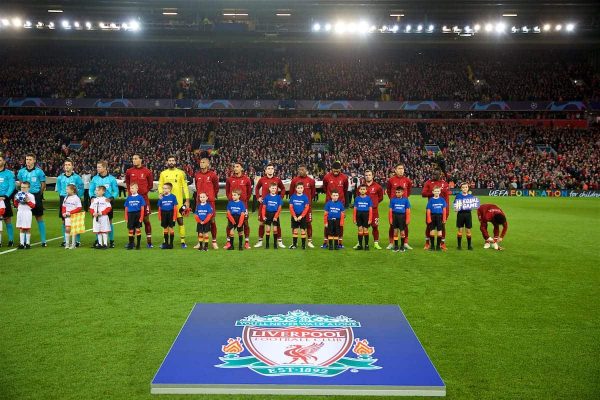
298	343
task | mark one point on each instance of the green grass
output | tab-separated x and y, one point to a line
523	323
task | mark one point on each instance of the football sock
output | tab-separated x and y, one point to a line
303	242
130	236
295	240
396	242
268	239
111	234
22	238
366	236
402	240
241	240
360	239
42	226
148	230
309	231
10	232
375	233
62	229
459	240
261	232
439	242
27	238
432	242
67	239
468	240
213	230
182	233
166	236
231	240
78	238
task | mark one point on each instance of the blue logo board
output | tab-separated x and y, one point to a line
299	350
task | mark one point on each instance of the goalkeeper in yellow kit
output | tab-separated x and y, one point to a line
177	178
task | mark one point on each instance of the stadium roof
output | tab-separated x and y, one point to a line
287	16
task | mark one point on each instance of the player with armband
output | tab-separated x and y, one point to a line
463	204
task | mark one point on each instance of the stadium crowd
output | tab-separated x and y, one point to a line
299	73
489	156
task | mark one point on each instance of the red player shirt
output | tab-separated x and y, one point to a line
207	182
398	181
262	186
309	187
332	182
486	213
142	176
375	192
241	182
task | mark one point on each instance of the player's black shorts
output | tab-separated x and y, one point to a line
464	219
38	210
166	218
269	219
203	228
399	221
231	226
362	219
333	227
133	220
8	211
302	224
436	222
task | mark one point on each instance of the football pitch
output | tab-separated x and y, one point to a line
523	323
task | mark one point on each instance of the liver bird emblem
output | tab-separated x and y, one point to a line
303	353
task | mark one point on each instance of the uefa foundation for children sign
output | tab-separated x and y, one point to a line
299	350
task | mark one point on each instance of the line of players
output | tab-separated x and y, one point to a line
207	182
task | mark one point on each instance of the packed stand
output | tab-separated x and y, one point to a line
296	72
490	156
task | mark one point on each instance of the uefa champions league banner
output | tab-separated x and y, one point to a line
319	105
297	350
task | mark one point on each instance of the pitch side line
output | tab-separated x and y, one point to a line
60	237
114	223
